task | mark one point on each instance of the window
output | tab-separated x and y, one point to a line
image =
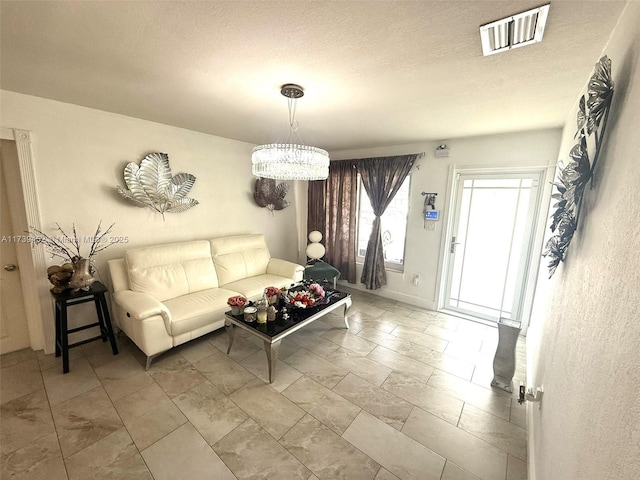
393	223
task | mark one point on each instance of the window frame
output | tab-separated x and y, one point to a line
388	265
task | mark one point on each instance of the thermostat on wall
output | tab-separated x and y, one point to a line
432	214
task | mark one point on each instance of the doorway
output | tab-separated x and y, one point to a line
490	243
14	330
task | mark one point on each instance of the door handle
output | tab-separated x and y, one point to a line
452	247
10	267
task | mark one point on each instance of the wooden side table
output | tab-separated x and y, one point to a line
68	298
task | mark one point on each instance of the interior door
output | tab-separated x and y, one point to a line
490	243
14	332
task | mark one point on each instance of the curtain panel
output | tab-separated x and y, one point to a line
381	177
332	211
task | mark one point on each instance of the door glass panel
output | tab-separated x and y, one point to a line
490	244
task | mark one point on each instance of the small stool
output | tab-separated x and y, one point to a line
69	297
321	270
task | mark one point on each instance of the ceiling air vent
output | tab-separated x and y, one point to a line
515	31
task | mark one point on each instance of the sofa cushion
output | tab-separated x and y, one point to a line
198	309
253	287
239	257
173	270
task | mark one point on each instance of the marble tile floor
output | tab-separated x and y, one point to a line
404	394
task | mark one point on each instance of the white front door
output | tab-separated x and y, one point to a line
14	332
490	243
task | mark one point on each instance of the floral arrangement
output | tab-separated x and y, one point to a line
307	298
237	301
272	291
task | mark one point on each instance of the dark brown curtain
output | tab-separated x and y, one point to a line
332	211
382	178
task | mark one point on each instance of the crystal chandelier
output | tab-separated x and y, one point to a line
290	161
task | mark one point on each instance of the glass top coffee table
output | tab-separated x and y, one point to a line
273	332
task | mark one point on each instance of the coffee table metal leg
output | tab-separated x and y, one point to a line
347	305
272	350
229	328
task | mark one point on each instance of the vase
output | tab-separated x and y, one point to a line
504	362
82	278
237	309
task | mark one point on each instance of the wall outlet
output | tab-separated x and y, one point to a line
431	226
416	278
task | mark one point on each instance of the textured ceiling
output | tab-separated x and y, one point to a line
374	73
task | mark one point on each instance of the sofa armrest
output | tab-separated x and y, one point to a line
286	269
140	306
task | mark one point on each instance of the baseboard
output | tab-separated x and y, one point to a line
398	296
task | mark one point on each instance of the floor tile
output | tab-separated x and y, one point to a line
350	341
362	320
434	343
499	433
316	368
49	361
149	415
185	454
175	375
424	396
242	347
251	454
259	366
441	361
210	411
100	353
386	340
384	474
453	472
200	348
84	419
123	376
465	450
273	411
516	469
362	307
325	405
384	405
80	379
364	367
327	454
19	356
24	420
400	362
494	401
224	372
313	343
114	457
20	379
38	460
398	453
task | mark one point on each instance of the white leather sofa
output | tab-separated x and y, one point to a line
166	295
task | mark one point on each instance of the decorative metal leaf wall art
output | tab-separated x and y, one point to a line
572	179
151	185
268	194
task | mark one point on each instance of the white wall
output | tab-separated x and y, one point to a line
583	340
424	248
80	154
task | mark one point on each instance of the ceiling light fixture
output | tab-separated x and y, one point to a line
290	161
515	31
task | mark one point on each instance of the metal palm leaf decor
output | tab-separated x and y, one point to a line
151	185
593	113
268	194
